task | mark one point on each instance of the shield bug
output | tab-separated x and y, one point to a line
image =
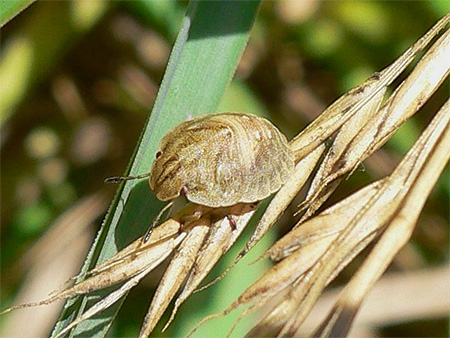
220	160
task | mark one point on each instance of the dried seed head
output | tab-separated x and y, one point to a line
221	160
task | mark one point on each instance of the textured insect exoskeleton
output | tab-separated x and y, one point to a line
221	160
223	164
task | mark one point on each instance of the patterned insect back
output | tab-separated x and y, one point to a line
221	160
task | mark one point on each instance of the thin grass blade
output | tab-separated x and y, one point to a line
202	62
10	9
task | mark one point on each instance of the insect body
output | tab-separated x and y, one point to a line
224	164
221	160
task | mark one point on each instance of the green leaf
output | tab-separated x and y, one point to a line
164	16
10	8
212	37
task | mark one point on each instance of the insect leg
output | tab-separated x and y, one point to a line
155	221
232	222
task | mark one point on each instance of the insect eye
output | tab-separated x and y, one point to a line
158	154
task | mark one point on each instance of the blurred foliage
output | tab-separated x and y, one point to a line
78	79
9	9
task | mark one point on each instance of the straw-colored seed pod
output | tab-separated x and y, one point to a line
221	160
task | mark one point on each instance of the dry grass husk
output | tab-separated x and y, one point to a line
362	121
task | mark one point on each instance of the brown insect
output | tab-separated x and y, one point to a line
220	160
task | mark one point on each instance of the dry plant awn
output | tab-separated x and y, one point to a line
225	164
314	252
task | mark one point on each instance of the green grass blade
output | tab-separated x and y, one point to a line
164	16
203	60
9	9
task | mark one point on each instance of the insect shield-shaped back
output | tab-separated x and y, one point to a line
221	160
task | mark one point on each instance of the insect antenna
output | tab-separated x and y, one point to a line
117	179
155	221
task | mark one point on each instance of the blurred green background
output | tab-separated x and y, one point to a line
79	78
